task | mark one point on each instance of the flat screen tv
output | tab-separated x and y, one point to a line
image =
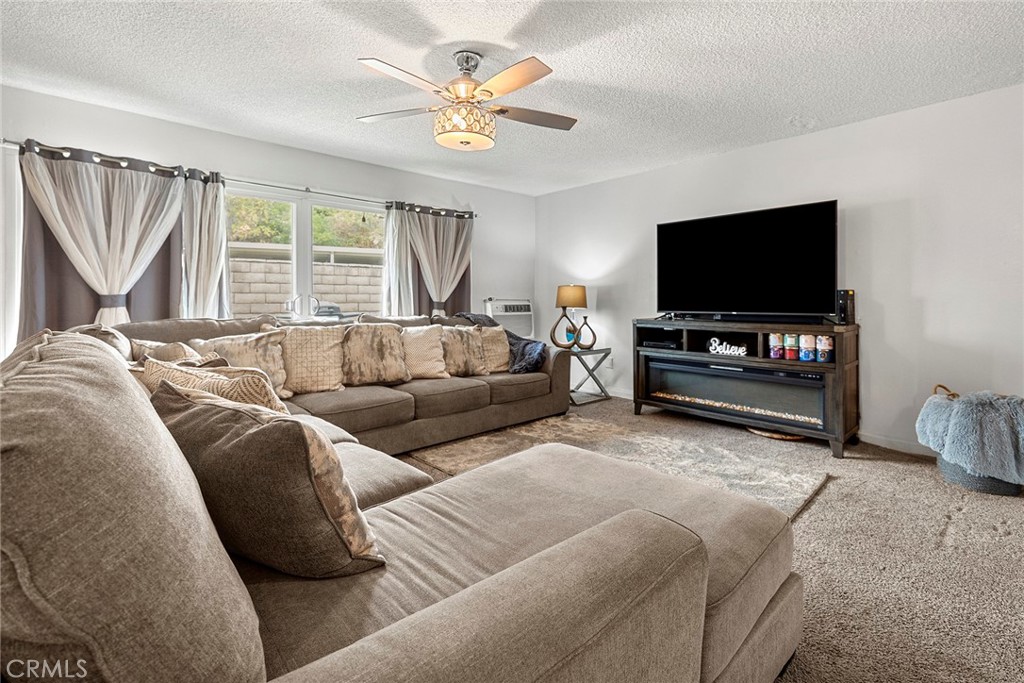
779	261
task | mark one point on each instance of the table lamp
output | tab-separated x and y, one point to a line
571	296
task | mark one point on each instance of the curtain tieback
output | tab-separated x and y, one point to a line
113	300
438	304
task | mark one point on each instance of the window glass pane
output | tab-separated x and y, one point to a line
260	253
348	250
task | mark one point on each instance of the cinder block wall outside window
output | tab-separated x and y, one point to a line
264	285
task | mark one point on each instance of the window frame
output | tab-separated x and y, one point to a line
302	232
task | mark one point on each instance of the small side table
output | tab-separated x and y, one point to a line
581	355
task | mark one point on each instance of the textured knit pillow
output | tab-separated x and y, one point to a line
496	349
424	355
463	350
274	485
171	352
108	553
372	353
312	358
248	385
258	350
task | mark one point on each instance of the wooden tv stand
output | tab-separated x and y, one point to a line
673	369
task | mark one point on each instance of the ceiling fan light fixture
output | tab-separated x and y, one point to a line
464	127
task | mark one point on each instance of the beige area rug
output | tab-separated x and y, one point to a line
907	578
717	455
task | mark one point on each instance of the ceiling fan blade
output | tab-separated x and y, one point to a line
535	118
519	75
388	115
401	74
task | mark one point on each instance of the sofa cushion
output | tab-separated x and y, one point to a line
472	526
372	353
275	487
312	358
463	350
437	397
359	408
108	551
378	477
506	388
249	386
183	329
424	354
401	320
257	350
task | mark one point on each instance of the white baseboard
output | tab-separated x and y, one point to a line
897	444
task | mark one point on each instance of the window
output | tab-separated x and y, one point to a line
260	254
288	254
348	249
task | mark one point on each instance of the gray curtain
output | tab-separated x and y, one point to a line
54	295
123	221
426	260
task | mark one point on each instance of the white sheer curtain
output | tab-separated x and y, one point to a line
204	241
110	222
442	245
399	292
10	250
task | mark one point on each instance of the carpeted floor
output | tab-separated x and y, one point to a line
907	578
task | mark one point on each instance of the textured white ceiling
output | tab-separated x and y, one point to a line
651	83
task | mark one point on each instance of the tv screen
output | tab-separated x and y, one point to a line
779	261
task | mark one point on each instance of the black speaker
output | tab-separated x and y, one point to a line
845	307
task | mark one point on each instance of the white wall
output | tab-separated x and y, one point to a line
931	238
503	239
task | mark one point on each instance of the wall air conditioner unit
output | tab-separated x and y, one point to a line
515	315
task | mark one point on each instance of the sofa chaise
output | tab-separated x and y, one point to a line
554	564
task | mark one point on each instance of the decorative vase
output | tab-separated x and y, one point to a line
569	325
579	335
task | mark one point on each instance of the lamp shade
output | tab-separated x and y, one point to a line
571	296
464	127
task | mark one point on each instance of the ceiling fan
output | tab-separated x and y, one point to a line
467	121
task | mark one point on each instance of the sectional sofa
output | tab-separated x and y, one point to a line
555	564
419	413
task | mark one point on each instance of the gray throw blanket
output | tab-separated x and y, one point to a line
525	355
982	433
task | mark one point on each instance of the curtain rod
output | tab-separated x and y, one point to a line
307	190
96	156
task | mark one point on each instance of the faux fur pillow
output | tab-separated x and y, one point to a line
496	349
312	358
372	353
274	485
256	350
463	350
247	385
424	355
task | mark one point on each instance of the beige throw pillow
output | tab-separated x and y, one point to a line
424	355
372	353
463	351
248	385
312	358
257	350
109	336
496	349
274	485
